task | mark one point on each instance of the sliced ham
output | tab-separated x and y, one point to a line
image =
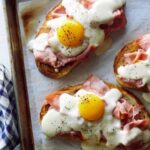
141	123
53	99
132	82
120	22
144	41
47	56
131	58
57	59
94	84
58	12
62	60
123	110
87	3
129	115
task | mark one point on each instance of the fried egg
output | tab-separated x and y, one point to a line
71	34
91	107
91	115
71	37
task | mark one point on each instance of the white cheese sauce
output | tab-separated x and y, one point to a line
100	13
39	43
139	70
135	133
68	118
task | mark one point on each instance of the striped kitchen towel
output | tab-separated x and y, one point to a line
9	136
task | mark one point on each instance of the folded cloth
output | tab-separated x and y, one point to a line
9	136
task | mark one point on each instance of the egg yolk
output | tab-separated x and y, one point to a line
71	33
91	107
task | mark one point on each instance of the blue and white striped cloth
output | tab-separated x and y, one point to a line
9	137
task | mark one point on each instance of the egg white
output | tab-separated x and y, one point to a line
92	36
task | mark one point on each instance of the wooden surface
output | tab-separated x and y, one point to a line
19	76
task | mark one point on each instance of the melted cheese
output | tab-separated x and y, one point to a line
122	137
106	8
64	121
39	43
100	13
139	70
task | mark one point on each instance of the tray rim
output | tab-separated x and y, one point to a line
19	77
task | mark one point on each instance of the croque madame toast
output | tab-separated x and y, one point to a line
128	111
47	69
59	71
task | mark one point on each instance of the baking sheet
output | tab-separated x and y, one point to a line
31	16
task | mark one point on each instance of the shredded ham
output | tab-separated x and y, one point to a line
94	84
119	22
62	60
131	58
47	56
87	3
141	123
57	59
129	115
53	99
132	82
58	12
144	42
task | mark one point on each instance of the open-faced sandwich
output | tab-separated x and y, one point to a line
72	30
132	64
98	114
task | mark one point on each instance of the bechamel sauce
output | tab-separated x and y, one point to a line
39	43
101	12
55	122
139	70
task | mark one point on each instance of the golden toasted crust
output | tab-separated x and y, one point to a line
50	71
131	47
73	89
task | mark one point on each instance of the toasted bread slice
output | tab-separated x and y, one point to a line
47	69
138	145
130	47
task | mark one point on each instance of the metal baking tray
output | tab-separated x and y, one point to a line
31	86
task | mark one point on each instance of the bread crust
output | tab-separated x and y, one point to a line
72	90
130	47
